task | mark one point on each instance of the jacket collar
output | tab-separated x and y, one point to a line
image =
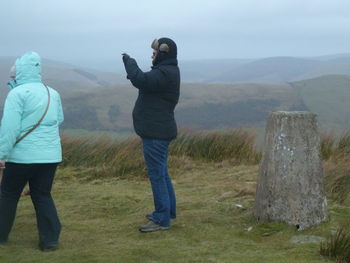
170	62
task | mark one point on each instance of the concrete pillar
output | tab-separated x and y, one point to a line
291	181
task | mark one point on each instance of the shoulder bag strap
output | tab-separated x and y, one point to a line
41	119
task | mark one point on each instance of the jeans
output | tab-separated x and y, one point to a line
156	157
40	178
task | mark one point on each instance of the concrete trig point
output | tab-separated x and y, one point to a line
291	182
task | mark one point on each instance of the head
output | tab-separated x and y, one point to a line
163	48
28	68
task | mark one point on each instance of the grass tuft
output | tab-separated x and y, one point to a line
337	247
338	181
236	145
327	145
103	157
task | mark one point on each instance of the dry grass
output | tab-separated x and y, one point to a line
327	145
112	158
338	180
104	157
338	246
236	145
337	151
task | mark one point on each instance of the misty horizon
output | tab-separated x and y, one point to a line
116	65
89	31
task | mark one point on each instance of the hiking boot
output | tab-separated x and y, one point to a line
152	227
47	248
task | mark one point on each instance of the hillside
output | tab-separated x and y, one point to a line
202	106
214	106
284	69
272	69
65	77
96	101
203	70
329	97
217	106
276	69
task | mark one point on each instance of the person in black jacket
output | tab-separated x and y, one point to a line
154	122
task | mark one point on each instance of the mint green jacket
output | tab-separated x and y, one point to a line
24	106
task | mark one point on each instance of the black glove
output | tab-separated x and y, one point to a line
126	57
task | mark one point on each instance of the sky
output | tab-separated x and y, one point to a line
93	32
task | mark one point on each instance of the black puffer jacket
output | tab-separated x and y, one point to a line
159	89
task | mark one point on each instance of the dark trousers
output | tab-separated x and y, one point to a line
40	178
156	157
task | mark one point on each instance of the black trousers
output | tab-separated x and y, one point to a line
40	178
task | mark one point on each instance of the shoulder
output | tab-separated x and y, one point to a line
55	96
53	91
169	70
156	70
17	92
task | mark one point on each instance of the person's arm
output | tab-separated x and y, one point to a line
151	81
10	124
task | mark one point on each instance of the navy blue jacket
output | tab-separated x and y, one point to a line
159	90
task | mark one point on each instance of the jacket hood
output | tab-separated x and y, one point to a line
170	52
28	68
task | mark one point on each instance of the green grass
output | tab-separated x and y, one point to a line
102	196
100	219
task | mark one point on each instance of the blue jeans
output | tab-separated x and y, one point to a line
40	178
156	157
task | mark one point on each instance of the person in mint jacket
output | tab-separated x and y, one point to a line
35	157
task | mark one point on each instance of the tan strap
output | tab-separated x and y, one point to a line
41	119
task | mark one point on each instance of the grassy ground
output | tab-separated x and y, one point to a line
100	218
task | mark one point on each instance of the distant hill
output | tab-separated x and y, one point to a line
204	70
279	69
65	77
329	97
217	106
274	69
95	100
202	106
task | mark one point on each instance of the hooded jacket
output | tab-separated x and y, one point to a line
159	90
24	106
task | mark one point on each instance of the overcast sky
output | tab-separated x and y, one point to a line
85	30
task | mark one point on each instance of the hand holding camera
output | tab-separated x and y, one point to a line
126	57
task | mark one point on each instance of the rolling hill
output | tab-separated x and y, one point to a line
201	106
216	106
329	97
95	100
65	77
274	69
